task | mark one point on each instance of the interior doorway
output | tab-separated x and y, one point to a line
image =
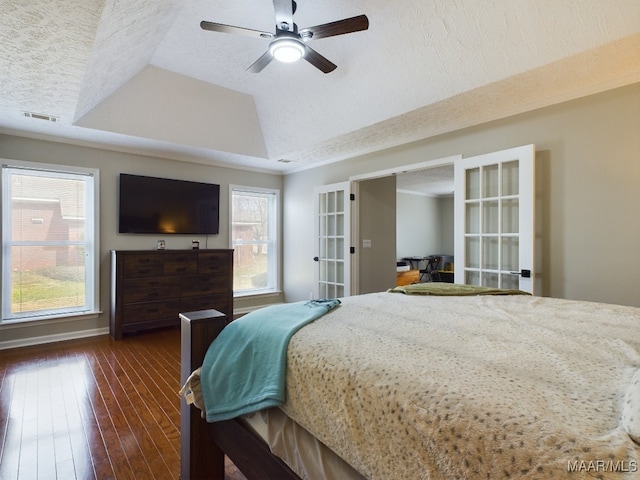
422	196
425	213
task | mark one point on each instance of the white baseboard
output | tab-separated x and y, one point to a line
59	337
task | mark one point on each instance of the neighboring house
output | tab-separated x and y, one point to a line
43	219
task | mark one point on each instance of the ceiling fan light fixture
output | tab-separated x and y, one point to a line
287	50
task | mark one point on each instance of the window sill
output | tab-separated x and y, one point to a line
257	294
49	320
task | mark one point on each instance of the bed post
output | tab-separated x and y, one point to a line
200	457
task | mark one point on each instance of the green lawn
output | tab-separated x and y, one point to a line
251	276
46	289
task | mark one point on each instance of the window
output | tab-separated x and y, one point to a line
254	238
49	241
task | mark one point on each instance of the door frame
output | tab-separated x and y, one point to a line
355	205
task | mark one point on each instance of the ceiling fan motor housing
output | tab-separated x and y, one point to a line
287	47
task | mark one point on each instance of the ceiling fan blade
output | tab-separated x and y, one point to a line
318	61
284	10
222	28
340	27
260	63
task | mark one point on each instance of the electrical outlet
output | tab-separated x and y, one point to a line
366	243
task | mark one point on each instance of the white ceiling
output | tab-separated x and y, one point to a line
142	76
430	182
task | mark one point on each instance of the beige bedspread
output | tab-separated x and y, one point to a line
411	387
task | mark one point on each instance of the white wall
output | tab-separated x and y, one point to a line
587	176
417	225
111	164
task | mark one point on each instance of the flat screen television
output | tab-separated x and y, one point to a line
167	206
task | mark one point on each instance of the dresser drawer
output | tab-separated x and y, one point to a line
141	265
180	263
149	289
213	263
193	285
142	312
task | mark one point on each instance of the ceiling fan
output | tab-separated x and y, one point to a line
288	44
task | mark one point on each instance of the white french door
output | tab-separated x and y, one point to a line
494	219
333	234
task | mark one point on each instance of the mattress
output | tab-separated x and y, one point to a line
404	386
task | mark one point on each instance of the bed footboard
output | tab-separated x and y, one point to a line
200	457
203	445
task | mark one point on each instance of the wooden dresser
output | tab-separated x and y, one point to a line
149	288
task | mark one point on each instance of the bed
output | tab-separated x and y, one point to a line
413	383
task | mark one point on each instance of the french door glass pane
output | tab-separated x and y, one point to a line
490	249
510	215
472	278
510	281
331	225
473	252
472	218
490	279
340	272
340	201
510	176
331	272
490	181
331	202
331	248
490	216
340	224
340	248
510	250
473	184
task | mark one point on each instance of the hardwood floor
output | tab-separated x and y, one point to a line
93	409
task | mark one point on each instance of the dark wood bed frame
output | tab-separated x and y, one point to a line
203	445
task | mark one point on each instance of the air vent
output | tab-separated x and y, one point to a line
41	116
284	160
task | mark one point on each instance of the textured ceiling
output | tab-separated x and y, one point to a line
422	68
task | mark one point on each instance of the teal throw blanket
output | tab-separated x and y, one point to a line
244	368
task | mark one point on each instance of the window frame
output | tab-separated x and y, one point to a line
91	243
273	242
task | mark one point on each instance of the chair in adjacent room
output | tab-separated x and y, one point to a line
430	272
